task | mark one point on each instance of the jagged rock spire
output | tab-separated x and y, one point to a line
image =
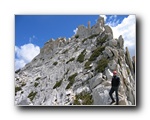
101	21
89	24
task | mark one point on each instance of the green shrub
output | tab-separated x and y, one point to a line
55	63
101	65
87	65
76	102
81	56
90	37
76	36
96	53
71	80
100	41
84	40
23	84
36	84
67	72
65	51
32	95
17	89
72	59
58	84
85	97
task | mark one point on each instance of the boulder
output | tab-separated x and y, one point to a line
123	102
108	29
96	80
108	52
101	95
110	36
96	29
112	65
82	89
121	52
106	83
112	43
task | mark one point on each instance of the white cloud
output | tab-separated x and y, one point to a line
113	23
25	54
75	31
127	29
19	63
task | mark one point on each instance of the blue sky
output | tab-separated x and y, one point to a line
37	29
32	31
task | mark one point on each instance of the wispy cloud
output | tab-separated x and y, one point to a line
112	17
113	21
25	54
127	29
32	38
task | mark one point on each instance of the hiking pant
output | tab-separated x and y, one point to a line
111	92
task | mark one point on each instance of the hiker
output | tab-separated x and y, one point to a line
114	87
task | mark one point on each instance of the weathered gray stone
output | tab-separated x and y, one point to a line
106	83
108	51
113	43
97	28
123	102
110	36
112	65
121	41
101	95
93	48
121	52
96	80
128	59
83	89
101	21
115	53
108	29
131	95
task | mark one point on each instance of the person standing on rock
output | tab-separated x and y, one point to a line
114	87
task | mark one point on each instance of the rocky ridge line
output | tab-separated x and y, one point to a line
77	71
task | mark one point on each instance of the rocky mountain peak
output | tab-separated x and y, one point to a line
77	71
84	31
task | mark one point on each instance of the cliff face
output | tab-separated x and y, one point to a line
77	71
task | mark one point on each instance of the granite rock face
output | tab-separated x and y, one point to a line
78	71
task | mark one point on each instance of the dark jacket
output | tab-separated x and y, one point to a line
115	81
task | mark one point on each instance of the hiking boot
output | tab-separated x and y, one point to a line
116	103
112	102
